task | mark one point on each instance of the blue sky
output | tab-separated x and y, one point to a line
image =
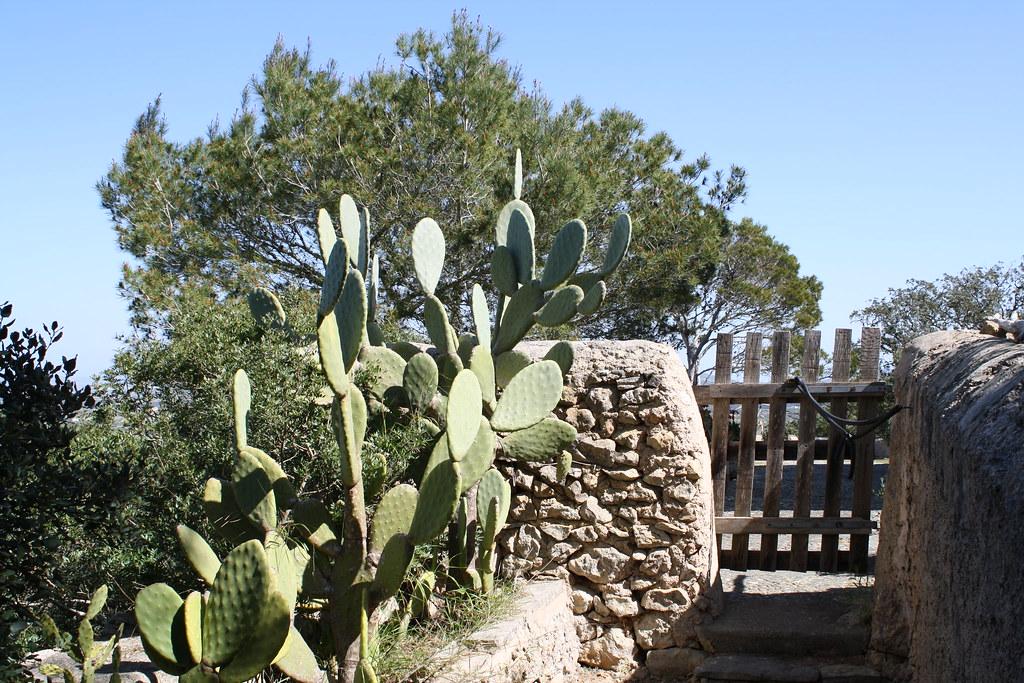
883	140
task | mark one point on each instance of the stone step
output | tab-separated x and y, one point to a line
770	669
790	613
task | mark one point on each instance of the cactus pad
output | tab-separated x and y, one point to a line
160	614
565	255
562	354
325	234
387	368
199	553
428	253
235	604
241	400
284	492
517	319
334	279
481	316
435	318
223	513
254	492
520	243
262	643
463	413
392	566
482	365
439	495
593	299
298	661
493	487
564	465
622	232
363	248
508	365
193	615
345	434
331	358
505	217
479	457
503	270
348	214
281	564
394	515
529	397
313	522
517	178
561	307
420	381
266	309
540	441
350	312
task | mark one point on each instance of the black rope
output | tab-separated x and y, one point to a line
840	424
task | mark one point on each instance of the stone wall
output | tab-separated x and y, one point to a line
949	587
630	528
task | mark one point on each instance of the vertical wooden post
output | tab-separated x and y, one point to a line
720	424
776	447
805	451
864	463
834	470
748	444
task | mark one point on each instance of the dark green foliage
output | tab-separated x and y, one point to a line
45	489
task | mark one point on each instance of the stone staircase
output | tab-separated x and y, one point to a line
781	627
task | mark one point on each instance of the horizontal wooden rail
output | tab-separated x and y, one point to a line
762	393
790	525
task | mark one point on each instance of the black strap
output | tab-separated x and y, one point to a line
840	424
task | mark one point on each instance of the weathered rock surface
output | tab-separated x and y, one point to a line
949	588
631	525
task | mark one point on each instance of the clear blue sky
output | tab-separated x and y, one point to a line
883	140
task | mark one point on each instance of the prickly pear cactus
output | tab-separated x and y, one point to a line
89	654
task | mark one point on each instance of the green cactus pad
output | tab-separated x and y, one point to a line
331	358
593	299
467	342
438	497
489	527
494	487
334	279
262	643
350	312
585	281
479	457
505	217
345	434
540	442
96	602
160	614
503	270
482	365
564	465
562	354
236	602
565	255
241	400
282	568
325	234
463	413
254	492
618	244
387	368
428	253
561	307
284	492
435	319
507	365
420	381
194	624
517	319
531	395
266	308
223	513
394	562
348	214
517	179
363	250
481	316
394	515
199	553
438	455
298	661
520	243
312	521
405	349
373	289
449	365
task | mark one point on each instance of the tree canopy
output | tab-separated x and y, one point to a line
435	136
953	301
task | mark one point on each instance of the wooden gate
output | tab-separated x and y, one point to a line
789	488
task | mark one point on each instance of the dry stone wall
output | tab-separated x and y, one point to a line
949	586
630	527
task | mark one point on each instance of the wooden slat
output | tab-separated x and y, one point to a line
828	526
834	471
748	438
720	421
805	449
775	448
870	338
828	391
